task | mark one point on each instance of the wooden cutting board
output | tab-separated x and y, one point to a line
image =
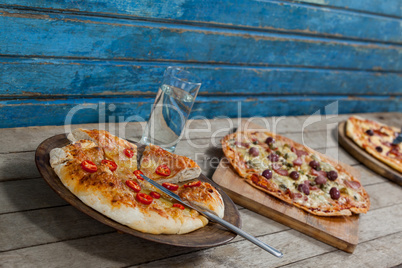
340	232
365	158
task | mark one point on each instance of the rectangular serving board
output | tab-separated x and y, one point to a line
340	232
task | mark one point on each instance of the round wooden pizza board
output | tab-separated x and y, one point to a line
365	158
210	235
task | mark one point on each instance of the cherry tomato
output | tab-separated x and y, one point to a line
89	166
177	205
163	170
144	198
129	153
155	195
192	184
170	186
111	165
133	185
137	174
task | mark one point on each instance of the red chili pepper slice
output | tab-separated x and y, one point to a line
192	184
170	186
163	170
133	185
111	165
177	205
155	195
137	174
129	153
89	166
144	198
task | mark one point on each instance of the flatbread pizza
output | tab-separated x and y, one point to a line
97	169
295	173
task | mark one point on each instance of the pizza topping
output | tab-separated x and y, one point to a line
353	184
334	193
370	132
319	173
242	144
267	174
332	175
128	152
314	164
133	185
254	151
192	184
380	133
298	162
320	180
89	166
177	205
137	173
155	195
296	195
170	186
163	170
144	198
110	164
304	188
270	140
273	157
299	152
378	149
394	150
277	169
294	175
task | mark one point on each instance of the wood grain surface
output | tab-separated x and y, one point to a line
294	56
340	232
367	159
211	235
56	234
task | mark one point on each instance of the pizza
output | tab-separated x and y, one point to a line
163	166
101	170
295	173
376	139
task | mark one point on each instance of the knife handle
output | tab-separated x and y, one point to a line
242	233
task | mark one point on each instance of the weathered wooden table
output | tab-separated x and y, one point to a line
39	229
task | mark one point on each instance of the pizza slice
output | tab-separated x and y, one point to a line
376	139
295	173
163	166
117	150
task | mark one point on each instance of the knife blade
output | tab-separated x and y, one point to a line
398	138
213	217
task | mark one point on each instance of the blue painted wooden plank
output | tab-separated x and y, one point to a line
53	112
20	77
264	15
385	7
59	35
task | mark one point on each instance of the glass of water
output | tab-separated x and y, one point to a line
171	108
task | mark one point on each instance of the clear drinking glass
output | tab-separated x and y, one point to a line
171	108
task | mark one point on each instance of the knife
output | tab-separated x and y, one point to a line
398	138
213	217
